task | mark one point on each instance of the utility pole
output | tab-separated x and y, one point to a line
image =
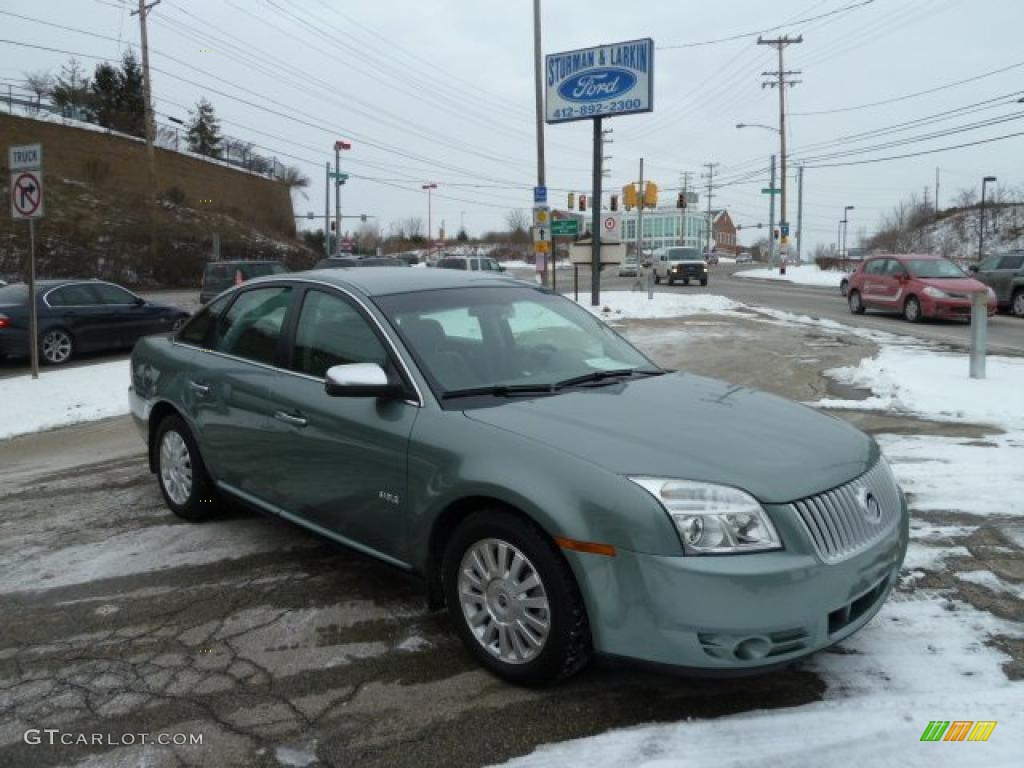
781	82
147	96
430	187
710	176
799	212
936	193
538	102
640	236
327	211
771	215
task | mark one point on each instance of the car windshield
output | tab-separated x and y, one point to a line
933	268
15	293
465	339
684	254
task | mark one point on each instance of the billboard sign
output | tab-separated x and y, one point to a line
607	80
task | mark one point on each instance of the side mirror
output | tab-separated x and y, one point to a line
360	380
973	267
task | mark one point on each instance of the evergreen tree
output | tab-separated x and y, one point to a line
70	92
132	104
204	135
104	99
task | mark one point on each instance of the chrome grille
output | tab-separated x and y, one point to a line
840	522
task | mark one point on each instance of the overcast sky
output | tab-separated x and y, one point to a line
442	91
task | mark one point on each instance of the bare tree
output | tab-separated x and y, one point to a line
517	220
292	177
368	237
40	83
413	228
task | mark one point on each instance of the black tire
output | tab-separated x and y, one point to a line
657	279
844	287
1017	303
704	282
56	346
686	281
855	303
199	502
671	280
912	310
567	646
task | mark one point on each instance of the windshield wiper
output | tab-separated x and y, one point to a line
500	390
602	375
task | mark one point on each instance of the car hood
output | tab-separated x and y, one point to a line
955	284
691	427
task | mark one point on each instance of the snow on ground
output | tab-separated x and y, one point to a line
634	305
62	397
801	274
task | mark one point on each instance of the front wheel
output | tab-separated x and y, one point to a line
513	599
844	287
183	480
704	282
912	310
56	346
1017	303
855	303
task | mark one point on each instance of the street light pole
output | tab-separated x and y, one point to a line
981	226
846	225
338	146
429	187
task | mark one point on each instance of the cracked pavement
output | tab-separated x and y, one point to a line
283	649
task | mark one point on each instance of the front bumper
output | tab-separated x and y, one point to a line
688	273
735	612
950	308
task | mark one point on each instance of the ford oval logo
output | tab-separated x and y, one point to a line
597	84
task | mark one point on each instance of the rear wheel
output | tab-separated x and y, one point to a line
686	281
844	287
704	281
671	280
1017	303
657	279
513	599
856	305
56	346
184	483
912	310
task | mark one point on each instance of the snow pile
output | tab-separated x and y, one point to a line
634	305
62	397
803	274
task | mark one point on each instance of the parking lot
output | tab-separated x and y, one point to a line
281	649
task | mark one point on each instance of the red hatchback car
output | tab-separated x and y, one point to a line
917	286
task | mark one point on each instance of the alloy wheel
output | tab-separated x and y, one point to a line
175	467
56	346
912	310
1018	304
504	602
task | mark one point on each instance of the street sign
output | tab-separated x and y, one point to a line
541	216
27	195
604	81
784	227
771	191
565	228
541	246
541	234
540	194
25	157
611	224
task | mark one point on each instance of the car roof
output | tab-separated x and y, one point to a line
383	281
901	256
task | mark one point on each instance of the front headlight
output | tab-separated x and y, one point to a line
935	293
713	519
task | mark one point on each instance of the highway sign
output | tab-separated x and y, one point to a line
540	194
565	228
27	195
771	191
25	157
604	81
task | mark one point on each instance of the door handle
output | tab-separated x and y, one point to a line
287	418
200	389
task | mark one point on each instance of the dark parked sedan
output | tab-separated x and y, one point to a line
559	492
77	316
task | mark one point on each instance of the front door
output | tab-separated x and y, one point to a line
341	460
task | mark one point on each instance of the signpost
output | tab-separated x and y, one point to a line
26	164
591	84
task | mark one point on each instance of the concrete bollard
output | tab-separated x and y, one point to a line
979	333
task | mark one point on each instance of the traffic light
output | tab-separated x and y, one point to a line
629	196
681	200
333	225
775	233
650	195
572	200
362	217
583	202
615	202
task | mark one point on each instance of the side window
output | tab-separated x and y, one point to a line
112	294
455	322
875	267
217	272
199	330
1013	261
72	296
332	332
252	325
474	264
992	262
893	268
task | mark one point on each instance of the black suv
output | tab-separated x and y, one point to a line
221	275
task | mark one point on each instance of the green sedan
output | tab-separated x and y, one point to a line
558	492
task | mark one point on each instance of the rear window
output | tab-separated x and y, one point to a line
15	293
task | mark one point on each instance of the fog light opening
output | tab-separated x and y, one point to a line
752	648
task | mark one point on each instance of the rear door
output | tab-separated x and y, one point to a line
76	308
341	460
873	293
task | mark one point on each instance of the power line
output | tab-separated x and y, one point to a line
918	154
